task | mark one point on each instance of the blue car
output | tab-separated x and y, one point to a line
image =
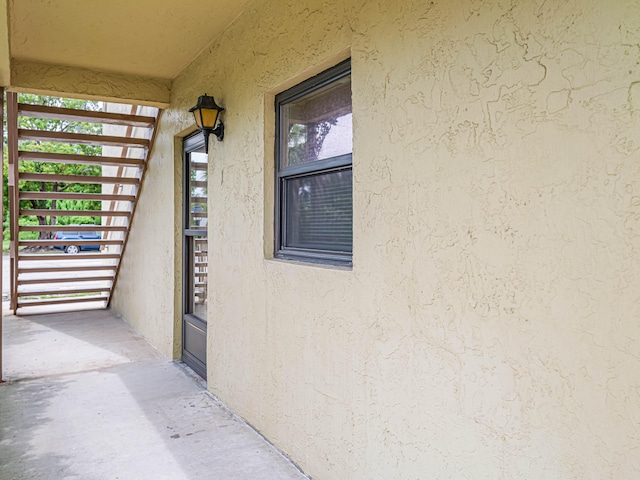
71	247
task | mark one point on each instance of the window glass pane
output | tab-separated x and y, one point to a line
198	294
319	211
317	126
198	189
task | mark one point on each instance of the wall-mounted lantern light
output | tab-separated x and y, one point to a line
206	113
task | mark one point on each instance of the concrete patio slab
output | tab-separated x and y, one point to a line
88	399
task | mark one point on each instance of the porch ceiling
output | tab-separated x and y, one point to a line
126	39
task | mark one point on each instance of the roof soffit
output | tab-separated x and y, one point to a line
152	38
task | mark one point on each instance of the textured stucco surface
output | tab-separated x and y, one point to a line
136	313
5	64
489	326
146	272
48	79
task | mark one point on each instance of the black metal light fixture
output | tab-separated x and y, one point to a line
206	113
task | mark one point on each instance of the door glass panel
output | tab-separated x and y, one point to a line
199	279
196	165
197	189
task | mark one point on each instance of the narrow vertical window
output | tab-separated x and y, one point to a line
314	185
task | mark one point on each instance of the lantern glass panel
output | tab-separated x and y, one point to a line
198	117
209	117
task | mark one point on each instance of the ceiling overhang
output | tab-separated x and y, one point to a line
47	79
120	50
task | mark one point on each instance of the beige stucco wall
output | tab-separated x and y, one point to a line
489	326
46	79
145	294
127	306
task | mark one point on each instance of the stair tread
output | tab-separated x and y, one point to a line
81	138
51	278
77	115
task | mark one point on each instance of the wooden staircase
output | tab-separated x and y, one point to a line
88	277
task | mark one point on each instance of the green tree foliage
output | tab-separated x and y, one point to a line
305	141
58	168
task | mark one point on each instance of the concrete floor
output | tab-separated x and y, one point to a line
88	399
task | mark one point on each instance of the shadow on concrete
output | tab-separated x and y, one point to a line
73	342
90	399
23	410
